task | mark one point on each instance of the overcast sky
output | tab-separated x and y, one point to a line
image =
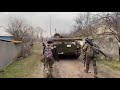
62	21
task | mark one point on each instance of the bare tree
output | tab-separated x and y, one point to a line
21	31
31	35
18	29
39	32
112	22
86	24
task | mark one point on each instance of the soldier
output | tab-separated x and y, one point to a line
43	44
43	59
55	53
84	49
48	58
91	55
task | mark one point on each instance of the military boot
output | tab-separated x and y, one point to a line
51	71
95	71
87	69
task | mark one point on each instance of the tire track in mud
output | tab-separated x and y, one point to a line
70	69
107	72
75	69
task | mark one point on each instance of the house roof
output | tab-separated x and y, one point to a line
4	33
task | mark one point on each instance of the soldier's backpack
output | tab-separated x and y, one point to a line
48	52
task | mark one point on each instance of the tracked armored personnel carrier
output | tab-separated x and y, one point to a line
67	46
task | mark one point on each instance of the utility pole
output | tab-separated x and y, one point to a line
55	30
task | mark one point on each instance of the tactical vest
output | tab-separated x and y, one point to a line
90	52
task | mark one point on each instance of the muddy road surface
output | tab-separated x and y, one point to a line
73	68
70	69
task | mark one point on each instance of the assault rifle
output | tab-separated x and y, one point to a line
95	47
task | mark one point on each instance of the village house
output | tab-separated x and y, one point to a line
107	42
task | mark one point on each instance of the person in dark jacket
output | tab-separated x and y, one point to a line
43	44
55	53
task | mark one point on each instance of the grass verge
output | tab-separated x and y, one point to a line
23	68
112	64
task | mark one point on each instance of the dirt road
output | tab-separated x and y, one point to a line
70	69
75	69
63	69
31	67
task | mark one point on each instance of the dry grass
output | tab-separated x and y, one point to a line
112	64
23	68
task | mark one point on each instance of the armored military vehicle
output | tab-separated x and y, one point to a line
67	46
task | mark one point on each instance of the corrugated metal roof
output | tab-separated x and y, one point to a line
4	33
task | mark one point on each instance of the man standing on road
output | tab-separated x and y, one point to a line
91	55
48	58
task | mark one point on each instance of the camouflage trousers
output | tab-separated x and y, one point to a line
48	62
48	66
88	60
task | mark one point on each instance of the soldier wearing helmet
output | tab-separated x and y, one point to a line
48	59
88	56
91	53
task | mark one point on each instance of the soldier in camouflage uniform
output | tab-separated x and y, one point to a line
90	56
48	58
